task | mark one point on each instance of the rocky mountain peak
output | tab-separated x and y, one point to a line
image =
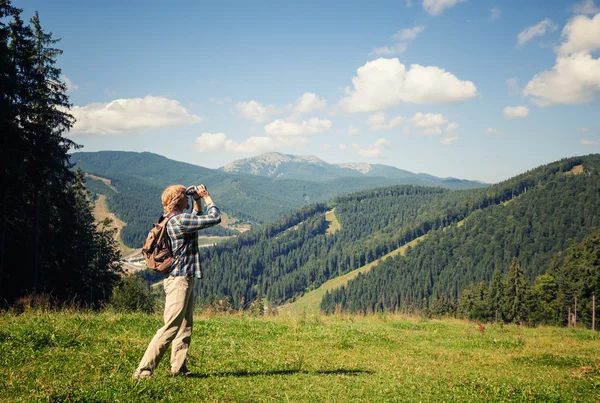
269	162
362	167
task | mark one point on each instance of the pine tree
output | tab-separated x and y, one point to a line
9	136
49	240
471	303
578	277
514	302
44	124
493	297
542	300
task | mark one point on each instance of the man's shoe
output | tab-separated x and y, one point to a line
144	374
182	372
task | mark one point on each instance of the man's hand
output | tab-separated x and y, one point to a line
202	195
202	191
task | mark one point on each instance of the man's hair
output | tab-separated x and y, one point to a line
172	196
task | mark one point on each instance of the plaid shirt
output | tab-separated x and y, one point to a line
183	231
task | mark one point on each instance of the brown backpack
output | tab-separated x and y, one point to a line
157	247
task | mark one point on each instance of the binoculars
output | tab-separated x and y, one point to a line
191	190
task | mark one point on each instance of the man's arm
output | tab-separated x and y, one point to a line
202	195
195	221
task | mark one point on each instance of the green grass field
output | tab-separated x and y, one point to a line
101	212
576	170
334	224
210	240
89	357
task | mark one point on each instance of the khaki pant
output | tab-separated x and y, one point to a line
178	317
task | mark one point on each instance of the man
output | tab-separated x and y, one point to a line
179	285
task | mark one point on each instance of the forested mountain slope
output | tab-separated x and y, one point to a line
531	216
139	179
295	254
282	264
558	209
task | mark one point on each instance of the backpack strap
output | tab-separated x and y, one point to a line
166	220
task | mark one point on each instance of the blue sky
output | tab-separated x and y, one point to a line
472	89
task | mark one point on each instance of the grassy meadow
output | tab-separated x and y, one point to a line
89	357
101	212
334	224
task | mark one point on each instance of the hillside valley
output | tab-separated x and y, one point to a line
470	234
137	180
465	235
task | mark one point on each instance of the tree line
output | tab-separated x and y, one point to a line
283	260
565	295
49	242
559	210
280	264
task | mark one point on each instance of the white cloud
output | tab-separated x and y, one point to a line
452	127
342	147
408	34
436	7
402	40
374	150
211	142
432	85
494	132
325	147
71	86
520	111
495	13
586	7
536	30
428	120
513	86
431	131
352	131
308	102
581	34
408	3
589	143
449	140
574	79
389	50
381	142
432	124
385	83
377	121
220	101
208	142
255	111
293	127
131	115
110	92
583	129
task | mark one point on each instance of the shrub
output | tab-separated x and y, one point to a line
132	294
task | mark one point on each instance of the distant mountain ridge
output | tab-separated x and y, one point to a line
139	179
311	168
